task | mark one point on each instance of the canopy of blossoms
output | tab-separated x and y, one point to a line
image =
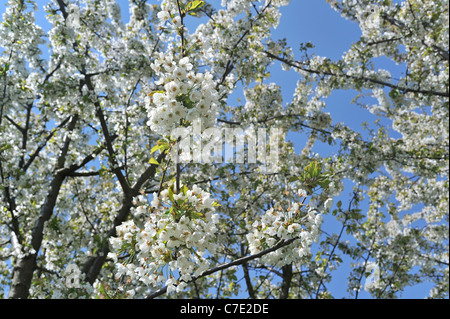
95	202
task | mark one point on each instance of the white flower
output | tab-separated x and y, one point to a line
304	251
176	21
140	210
169	64
155	201
180	73
115	242
112	256
203	106
193	240
302	193
159	99
318	219
128	237
195	96
73	274
293	228
282	232
172	88
163	15
185	64
328	204
208	201
73	18
170	283
179	110
181	286
177	81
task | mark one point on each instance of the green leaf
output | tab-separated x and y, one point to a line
153	161
5	146
4	69
103	170
293	179
184	189
153	92
196	215
155	148
103	292
192	5
163	143
53	224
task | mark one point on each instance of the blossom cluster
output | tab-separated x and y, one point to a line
186	96
279	224
175	240
168	16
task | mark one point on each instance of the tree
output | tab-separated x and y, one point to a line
112	179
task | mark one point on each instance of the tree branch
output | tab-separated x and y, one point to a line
298	65
280	244
43	144
108	138
93	266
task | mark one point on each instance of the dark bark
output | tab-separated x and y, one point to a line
248	280
286	283
26	265
94	265
23	274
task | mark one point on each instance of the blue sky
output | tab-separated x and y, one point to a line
332	35
312	21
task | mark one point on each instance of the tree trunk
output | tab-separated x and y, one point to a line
286	284
93	266
23	274
25	266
